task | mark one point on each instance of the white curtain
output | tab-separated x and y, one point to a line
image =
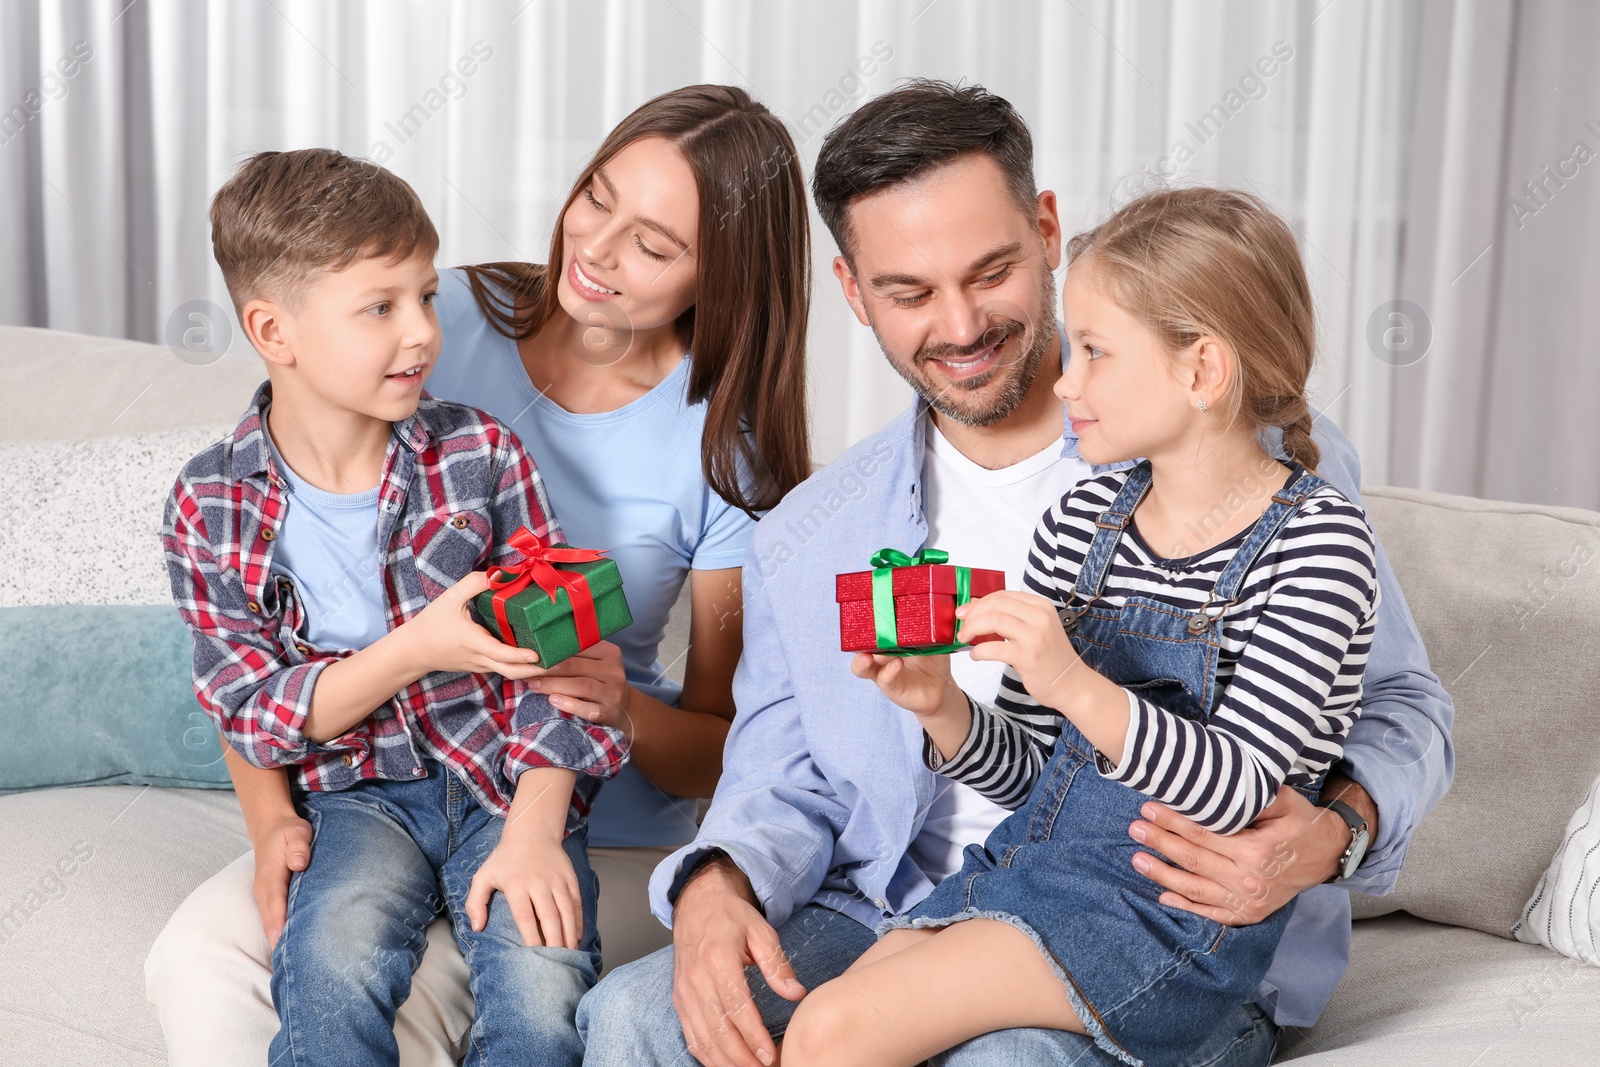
1501	265
104	185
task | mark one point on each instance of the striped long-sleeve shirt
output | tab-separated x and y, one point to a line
1293	649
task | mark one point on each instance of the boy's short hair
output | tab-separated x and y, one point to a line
285	216
910	131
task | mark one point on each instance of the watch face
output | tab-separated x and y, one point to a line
1358	852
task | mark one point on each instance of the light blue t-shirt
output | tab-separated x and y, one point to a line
628	482
328	547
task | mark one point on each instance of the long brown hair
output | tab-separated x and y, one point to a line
1197	261
747	329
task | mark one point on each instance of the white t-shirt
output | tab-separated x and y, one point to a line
983	518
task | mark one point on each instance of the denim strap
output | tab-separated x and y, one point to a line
1285	504
1103	549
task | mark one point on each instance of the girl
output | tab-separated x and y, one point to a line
1194	630
654	368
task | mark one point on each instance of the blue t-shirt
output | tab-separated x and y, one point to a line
328	547
628	482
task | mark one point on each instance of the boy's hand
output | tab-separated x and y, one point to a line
444	637
282	848
540	886
1036	645
592	685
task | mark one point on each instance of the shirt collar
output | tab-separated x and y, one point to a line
252	453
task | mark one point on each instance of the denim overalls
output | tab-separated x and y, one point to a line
1149	982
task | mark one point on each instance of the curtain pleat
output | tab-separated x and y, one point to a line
103	193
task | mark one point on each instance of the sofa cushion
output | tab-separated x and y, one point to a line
1504	596
1425	995
88	877
97	663
59	386
80	521
101	696
1563	912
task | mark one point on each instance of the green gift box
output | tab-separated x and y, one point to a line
558	601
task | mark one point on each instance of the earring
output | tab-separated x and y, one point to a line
1202	406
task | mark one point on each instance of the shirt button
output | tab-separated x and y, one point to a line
881	904
459	522
349	760
267	534
303	649
417	771
255	609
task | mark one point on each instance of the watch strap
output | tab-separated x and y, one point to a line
1354	820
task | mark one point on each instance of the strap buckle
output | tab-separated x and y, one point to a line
1201	621
1118	521
1069	616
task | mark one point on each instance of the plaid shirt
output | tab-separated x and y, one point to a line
455	484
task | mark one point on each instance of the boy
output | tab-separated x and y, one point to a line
323	556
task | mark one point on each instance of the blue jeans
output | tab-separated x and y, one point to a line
386	858
628	1019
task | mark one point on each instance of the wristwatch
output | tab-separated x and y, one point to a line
1360	837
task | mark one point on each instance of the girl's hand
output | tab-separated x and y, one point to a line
920	684
1035	643
592	685
444	637
540	886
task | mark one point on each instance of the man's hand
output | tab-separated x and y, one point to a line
1242	878
717	932
282	848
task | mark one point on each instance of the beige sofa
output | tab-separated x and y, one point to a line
1507	616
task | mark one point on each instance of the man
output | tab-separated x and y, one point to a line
825	820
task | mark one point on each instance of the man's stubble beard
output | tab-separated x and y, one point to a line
1019	373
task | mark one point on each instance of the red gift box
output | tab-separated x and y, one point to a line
924	605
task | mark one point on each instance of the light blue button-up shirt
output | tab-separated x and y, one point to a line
823	786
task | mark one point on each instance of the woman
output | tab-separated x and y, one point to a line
655	370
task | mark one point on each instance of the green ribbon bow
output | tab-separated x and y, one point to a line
884	561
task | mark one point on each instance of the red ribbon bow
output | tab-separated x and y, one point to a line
537	568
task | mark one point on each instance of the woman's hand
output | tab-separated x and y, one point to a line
281	847
592	685
1036	645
